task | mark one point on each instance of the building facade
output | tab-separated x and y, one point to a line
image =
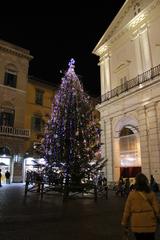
14	63
40	96
25	105
129	60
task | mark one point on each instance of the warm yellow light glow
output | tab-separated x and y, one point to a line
137	20
4	160
29	161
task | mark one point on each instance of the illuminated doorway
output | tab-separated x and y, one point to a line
5	162
130	159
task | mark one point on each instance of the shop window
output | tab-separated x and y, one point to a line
10	78
39	97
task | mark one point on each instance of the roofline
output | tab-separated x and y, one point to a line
32	78
103	38
15	50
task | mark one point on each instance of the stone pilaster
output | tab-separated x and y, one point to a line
108	148
102	76
149	140
144	141
145	50
153	134
138	54
107	74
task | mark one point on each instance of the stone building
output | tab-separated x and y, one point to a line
14	64
25	104
40	96
129	60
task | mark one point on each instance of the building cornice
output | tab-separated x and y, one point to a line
13	89
15	50
37	81
136	22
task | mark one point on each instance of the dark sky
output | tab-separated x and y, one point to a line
55	38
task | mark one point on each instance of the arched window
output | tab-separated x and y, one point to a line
130	160
37	123
125	132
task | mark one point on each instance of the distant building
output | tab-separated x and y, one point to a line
129	60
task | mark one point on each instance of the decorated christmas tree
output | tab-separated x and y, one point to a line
72	136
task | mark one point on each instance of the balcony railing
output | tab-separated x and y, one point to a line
14	132
146	76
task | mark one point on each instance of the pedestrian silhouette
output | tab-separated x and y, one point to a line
7	175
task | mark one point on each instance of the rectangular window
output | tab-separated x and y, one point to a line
39	97
10	79
37	123
7	118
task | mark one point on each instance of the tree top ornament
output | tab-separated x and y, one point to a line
71	64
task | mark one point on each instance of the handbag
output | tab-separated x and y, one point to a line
145	198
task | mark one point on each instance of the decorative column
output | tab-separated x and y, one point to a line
102	77
109	148
144	141
138	54
107	74
103	141
145	50
142	50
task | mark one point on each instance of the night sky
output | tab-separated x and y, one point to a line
55	38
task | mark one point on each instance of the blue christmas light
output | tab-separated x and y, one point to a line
71	63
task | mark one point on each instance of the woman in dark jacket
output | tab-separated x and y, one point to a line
141	209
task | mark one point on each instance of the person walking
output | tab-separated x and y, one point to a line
120	187
7	175
141	210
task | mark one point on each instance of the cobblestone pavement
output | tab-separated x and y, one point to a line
33	218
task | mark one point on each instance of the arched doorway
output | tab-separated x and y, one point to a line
129	146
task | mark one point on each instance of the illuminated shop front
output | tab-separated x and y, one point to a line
32	164
5	162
